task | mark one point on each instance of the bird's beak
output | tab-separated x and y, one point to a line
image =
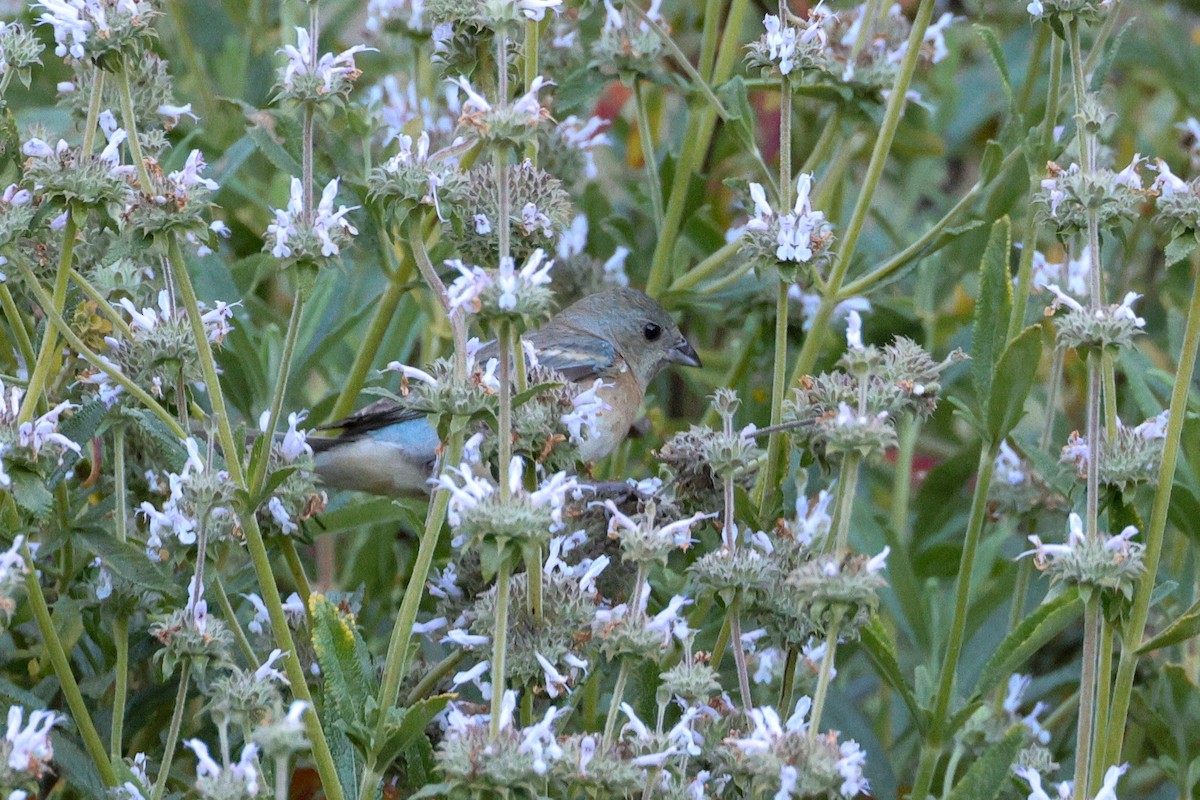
684	354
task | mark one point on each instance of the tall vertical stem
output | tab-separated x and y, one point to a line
500	644
164	771
647	141
610	721
1087	697
1135	628
121	620
46	353
823	678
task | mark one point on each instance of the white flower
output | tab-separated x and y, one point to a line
556	682
261	615
854	331
850	767
1009	467
585	136
1167	183
781	43
463	639
614	267
173	113
1035	8
295	441
794	230
281	516
539	741
268	672
1155	427
475	102
330	69
536	9
1108	791
583	420
1034	780
30	745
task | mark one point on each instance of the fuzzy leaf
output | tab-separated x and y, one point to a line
1013	379
1183	628
881	650
989	773
991	311
1050	618
349	683
30	492
129	562
406	725
997	54
1179	248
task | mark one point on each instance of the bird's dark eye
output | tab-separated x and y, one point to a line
651	332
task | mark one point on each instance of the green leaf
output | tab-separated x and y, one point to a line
1180	248
1050	619
881	650
991	310
345	664
273	150
76	767
1013	378
83	424
405	725
997	53
1183	628
129	562
30	492
989	773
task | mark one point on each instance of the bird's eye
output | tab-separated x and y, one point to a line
651	332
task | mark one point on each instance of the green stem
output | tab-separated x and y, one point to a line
883	145
788	684
1087	697
1139	611
915	250
711	265
499	667
614	706
17	321
47	354
239	635
823	678
121	620
130	121
844	510
933	746
364	357
430	679
1103	701
739	651
902	477
396	662
281	381
93	113
254	539
56	319
695	145
164	771
1109	391
458	325
769	482
62	669
651	164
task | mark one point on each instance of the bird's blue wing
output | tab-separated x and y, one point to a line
578	358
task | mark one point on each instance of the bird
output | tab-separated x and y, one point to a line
621	336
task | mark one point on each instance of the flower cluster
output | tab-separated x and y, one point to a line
22	443
1102	562
12	575
1128	460
309	78
1112	325
539	211
416	177
844	47
505	293
513	123
627	45
801	236
19	50
1068	196
299	236
99	30
854	409
158	348
501	16
1059	11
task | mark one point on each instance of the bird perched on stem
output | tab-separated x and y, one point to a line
621	336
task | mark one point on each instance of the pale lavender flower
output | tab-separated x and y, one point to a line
332	71
31	750
268	672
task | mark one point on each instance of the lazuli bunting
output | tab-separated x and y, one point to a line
621	336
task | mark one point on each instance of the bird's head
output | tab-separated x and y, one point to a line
640	329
